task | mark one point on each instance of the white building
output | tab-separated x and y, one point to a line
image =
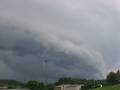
68	87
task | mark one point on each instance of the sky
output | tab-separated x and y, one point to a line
47	39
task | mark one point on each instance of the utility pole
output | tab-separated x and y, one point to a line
44	64
63	82
45	71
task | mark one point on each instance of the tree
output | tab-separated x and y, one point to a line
32	85
112	78
50	87
118	75
35	85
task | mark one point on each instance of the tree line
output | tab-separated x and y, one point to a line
111	79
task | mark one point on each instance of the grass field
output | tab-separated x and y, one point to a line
115	87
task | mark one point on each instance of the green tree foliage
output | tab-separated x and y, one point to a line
32	85
50	87
118	75
35	85
112	78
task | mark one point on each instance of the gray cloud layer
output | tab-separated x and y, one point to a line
42	39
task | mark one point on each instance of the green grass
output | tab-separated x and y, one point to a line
115	87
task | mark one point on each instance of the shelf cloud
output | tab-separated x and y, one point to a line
44	40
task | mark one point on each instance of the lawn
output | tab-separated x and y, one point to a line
115	87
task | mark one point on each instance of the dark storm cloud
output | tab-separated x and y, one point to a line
73	38
22	53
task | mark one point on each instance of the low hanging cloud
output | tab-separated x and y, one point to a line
24	53
71	38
